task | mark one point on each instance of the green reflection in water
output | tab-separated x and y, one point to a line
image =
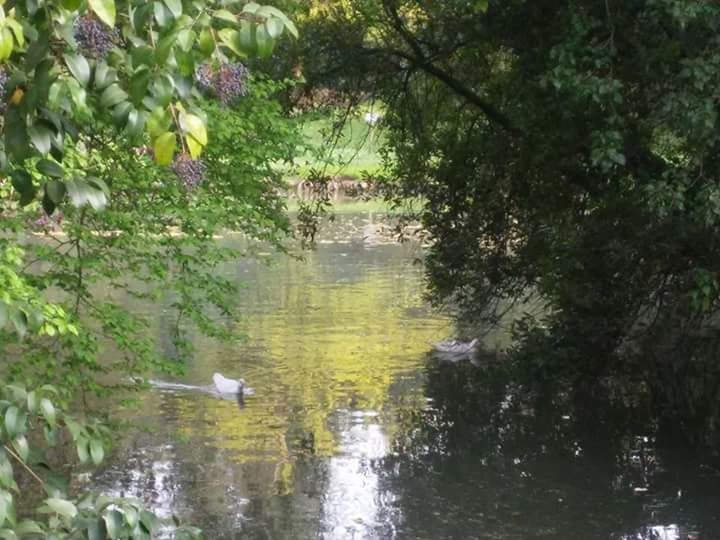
334	333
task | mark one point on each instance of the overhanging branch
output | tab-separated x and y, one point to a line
421	61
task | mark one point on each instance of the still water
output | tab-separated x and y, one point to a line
355	431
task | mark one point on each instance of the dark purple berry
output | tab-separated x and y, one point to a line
204	76
228	81
94	38
231	82
191	172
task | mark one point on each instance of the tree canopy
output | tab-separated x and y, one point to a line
566	151
120	162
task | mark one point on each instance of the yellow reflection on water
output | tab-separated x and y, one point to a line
322	341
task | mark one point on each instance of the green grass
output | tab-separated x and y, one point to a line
355	153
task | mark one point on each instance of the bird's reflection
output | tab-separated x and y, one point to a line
240	399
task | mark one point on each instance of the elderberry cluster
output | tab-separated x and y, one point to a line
94	39
191	172
204	76
228	81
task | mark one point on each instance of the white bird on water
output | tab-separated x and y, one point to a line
455	347
228	386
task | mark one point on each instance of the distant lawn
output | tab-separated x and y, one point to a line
355	153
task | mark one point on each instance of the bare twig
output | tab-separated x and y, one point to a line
24	465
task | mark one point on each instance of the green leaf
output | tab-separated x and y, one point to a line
231	39
225	15
29	527
163	90
13	421
48	411
17	142
71	5
22	182
78	94
6	473
113	523
246	38
48	204
291	28
136	122
5	505
251	7
55	190
103	501
186	39
50	168
104	9
7	43
99	185
62	507
186	65
141	16
206	42
196	133
82	192
274	27
96	530
21	446
164	46
142	56
158	123
175	7
82	450
132	516
96	451
8	534
120	113
3	314
163	15
17	30
41	137
112	95
104	75
138	85
164	148
265	43
79	67
18	393
148	521
73	427
32	401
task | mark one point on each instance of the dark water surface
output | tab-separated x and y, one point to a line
355	431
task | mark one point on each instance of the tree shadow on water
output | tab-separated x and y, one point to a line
492	456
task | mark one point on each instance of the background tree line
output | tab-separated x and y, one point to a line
564	151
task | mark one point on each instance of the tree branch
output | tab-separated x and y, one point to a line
419	59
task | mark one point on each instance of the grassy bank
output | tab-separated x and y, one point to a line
355	152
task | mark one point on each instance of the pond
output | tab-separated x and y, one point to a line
355	431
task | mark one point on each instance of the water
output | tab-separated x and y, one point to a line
356	432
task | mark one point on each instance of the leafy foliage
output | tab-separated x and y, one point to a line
563	150
128	65
157	240
24	412
98	97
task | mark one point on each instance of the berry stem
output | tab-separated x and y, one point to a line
173	112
